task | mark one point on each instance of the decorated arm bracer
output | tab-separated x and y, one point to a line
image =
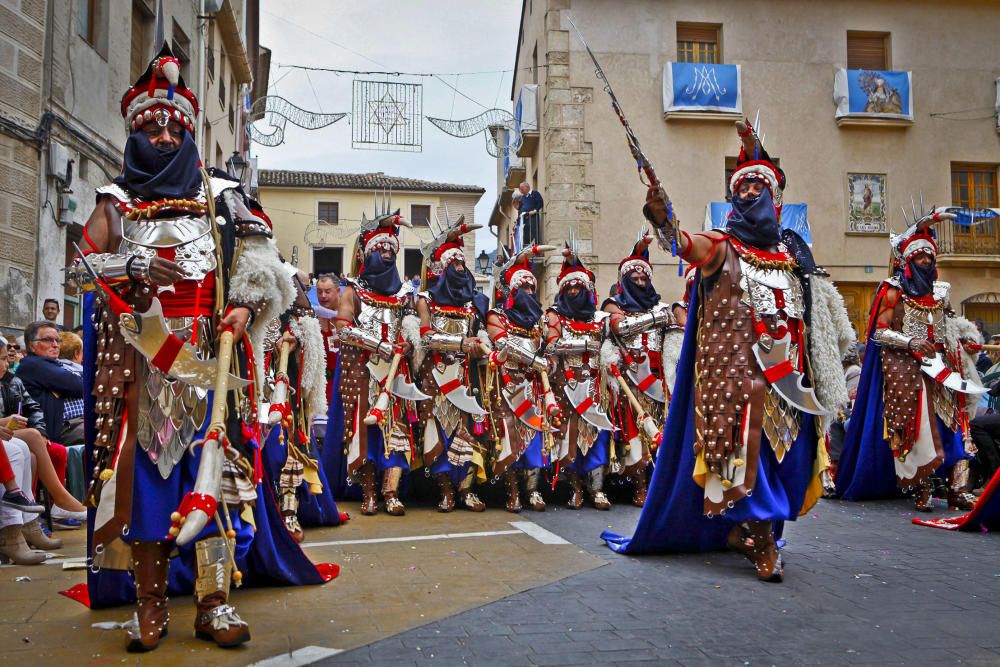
635	324
443	342
573	346
112	268
351	335
887	337
522	355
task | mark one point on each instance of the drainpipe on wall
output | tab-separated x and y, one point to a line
202	74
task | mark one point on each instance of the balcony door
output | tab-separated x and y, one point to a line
858	299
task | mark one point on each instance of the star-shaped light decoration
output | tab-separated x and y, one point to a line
387	112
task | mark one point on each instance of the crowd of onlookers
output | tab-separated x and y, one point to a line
41	416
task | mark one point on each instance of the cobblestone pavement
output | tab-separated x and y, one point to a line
863	586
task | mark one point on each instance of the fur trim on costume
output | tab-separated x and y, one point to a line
410	328
610	356
484	338
830	337
259	278
673	340
313	384
957	328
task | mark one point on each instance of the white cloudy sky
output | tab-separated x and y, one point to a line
439	36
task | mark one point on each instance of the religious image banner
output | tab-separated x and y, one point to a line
793	216
862	93
702	87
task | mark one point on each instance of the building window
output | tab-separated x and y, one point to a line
142	31
220	163
413	262
181	45
210	56
206	144
699	43
420	214
328	213
328	260
868	50
222	90
974	186
91	24
985	307
232	96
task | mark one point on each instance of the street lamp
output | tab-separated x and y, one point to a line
482	262
236	165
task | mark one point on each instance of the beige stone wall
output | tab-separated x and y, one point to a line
788	68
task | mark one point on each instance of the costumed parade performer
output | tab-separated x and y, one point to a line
641	352
375	381
573	334
521	403
742	449
919	386
449	338
295	366
186	277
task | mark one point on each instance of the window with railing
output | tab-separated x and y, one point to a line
973	186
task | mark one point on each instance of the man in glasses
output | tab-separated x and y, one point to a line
48	381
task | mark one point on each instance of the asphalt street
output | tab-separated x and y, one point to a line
863	586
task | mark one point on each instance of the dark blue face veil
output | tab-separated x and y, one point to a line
581	307
453	288
526	311
754	221
635	299
379	275
153	173
918	281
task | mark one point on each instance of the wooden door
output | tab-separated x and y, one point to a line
858	298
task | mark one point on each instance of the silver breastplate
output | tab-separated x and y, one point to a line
761	288
381	321
576	360
190	238
460	325
918	321
650	339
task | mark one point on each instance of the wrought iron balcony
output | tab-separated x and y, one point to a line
975	244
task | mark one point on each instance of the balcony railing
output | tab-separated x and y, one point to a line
702	91
528	230
980	240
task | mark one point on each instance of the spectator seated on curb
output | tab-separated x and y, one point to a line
19	526
22	415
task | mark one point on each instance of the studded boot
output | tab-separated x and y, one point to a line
467	497
576	490
447	490
390	491
639	487
216	620
922	498
150	565
959	497
535	501
513	491
764	552
595	485
369	503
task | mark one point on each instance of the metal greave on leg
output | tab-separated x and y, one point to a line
959	497
535	501
595	484
390	491
216	619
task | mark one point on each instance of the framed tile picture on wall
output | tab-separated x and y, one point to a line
866	204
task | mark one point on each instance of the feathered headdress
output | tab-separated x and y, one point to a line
446	246
380	231
515	272
919	236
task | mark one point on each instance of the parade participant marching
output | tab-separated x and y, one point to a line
907	424
448	337
182	269
573	333
521	403
642	344
740	447
295	365
375	376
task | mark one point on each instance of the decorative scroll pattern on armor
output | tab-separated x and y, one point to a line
197	256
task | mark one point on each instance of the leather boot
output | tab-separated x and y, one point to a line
215	619
447	489
390	491
922	498
535	501
595	484
369	503
467	497
639	487
15	550
36	537
290	513
513	491
150	565
576	494
959	497
764	552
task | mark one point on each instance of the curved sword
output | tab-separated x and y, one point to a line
524	409
776	363
645	379
449	381
583	402
401	387
935	367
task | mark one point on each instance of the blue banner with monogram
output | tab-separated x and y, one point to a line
873	93
793	216
702	87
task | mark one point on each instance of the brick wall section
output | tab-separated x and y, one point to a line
22	39
570	201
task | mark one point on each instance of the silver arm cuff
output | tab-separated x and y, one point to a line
887	337
634	324
351	335
111	267
573	346
443	342
521	355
